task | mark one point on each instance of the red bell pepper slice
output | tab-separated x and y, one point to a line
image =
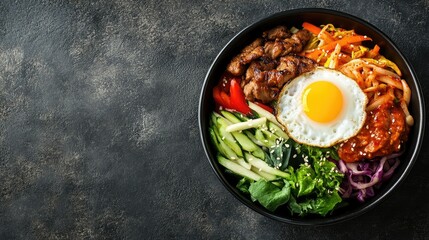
266	107
220	97
228	94
238	100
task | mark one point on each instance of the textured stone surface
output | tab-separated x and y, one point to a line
98	121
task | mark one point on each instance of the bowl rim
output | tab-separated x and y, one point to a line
330	219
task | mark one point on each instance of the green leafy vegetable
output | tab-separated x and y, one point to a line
318	182
279	154
306	180
243	185
269	195
320	205
317	152
329	178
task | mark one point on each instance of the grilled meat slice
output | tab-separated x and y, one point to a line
264	84
296	64
268	63
300	39
282	47
253	51
262	64
278	32
258	88
274	49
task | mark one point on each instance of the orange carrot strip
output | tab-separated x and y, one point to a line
316	31
314	54
345	41
374	52
312	28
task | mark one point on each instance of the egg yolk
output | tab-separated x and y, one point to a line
322	101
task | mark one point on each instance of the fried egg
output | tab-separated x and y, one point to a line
322	107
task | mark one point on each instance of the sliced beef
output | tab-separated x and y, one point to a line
269	62
253	51
278	32
271	80
282	47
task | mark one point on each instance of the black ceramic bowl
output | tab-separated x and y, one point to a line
317	17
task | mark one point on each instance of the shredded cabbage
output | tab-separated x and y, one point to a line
362	179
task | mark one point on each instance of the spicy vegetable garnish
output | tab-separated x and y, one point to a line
278	171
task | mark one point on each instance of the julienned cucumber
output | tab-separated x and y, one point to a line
267	176
248	145
235	145
263	166
224	149
252	123
264	113
277	130
237	169
245	142
231	117
227	137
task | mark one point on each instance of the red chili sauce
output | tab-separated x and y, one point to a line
383	133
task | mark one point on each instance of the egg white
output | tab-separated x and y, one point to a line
302	129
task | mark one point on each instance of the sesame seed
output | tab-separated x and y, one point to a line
294	156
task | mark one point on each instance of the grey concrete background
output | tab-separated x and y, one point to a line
99	136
